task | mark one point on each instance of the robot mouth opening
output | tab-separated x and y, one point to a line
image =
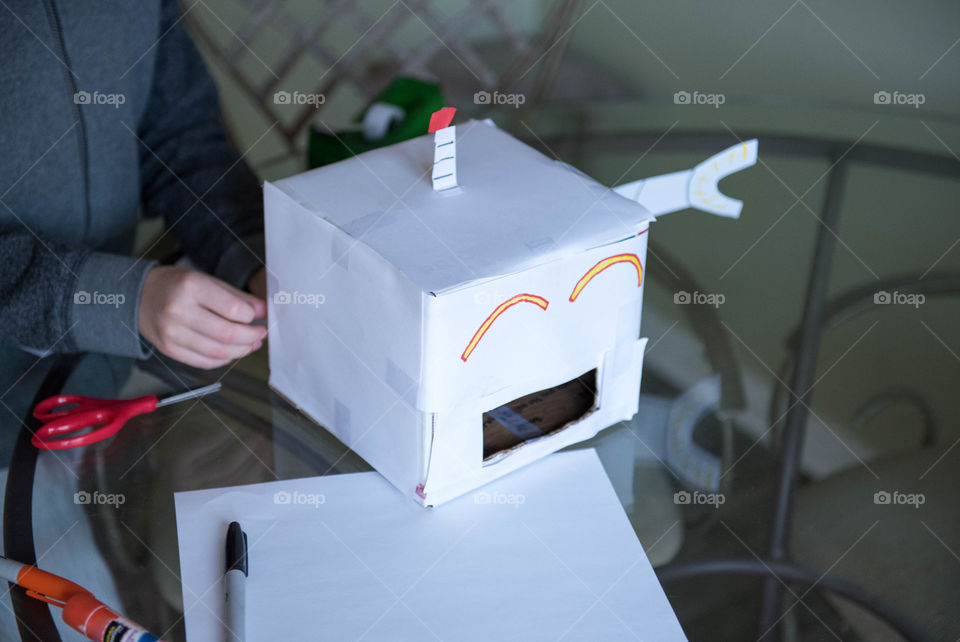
538	414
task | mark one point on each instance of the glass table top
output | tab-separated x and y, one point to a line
103	515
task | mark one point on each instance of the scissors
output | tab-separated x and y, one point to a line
89	413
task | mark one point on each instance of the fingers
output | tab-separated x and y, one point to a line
195	349
223	331
229	302
212	349
259	306
191	358
198	319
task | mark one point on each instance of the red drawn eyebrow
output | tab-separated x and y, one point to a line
602	265
519	298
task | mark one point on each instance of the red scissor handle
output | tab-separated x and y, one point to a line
53	407
109	414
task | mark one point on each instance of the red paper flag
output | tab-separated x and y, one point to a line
441	118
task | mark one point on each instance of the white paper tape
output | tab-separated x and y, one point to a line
402	383
340	249
341	416
379	118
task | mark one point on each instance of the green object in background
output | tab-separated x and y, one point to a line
417	99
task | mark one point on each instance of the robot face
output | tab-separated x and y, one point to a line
544	411
535	351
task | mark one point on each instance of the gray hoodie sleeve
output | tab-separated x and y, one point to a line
190	175
60	299
68	299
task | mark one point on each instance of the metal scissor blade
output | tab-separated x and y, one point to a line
190	394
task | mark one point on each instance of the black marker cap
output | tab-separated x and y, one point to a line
236	548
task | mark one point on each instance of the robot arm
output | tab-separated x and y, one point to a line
695	187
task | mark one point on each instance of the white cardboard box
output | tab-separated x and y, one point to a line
400	315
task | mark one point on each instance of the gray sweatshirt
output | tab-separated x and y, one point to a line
106	114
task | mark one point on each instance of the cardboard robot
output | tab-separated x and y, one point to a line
458	305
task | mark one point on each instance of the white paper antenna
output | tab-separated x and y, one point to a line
444	149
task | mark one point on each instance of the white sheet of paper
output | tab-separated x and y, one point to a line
543	553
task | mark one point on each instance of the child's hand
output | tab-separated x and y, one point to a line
197	319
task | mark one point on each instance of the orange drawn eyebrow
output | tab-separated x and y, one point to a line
529	298
603	265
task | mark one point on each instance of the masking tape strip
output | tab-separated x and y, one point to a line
545	244
341	416
340	249
515	423
628	331
359	226
402	384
